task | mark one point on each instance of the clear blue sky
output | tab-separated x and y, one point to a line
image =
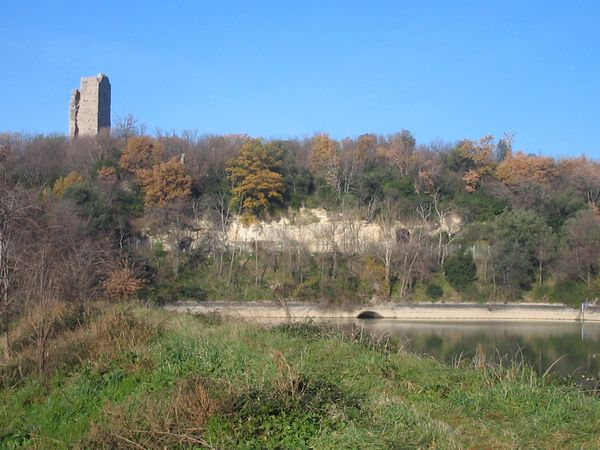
442	69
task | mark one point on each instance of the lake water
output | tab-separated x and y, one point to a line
568	349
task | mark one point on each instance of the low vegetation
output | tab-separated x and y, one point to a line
129	377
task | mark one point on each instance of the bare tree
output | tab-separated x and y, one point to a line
446	232
127	126
388	247
41	279
14	206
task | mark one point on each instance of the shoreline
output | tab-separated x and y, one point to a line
456	312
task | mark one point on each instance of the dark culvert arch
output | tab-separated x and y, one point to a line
369	315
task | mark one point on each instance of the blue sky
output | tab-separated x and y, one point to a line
442	69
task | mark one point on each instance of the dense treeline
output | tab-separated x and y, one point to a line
74	216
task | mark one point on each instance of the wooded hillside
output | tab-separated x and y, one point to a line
74	216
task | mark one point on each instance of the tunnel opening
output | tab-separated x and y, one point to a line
369	315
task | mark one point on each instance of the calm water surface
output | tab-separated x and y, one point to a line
570	348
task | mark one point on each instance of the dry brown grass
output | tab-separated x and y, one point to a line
287	384
174	421
73	337
115	332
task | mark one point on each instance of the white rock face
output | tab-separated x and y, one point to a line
451	223
315	230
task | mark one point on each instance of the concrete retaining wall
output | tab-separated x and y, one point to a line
424	311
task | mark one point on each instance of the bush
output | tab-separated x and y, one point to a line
122	283
434	291
460	270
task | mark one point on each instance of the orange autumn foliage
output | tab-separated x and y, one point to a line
62	183
141	152
122	283
324	158
479	157
519	168
163	182
107	173
471	179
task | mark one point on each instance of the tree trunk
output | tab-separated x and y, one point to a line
4	294
231	267
8	348
255	263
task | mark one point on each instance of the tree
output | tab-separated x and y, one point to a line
387	247
398	150
325	160
353	157
255	177
504	147
460	270
69	180
108	181
584	174
478	160
40	160
521	243
164	182
426	171
13	208
85	263
141	152
126	127
122	283
4	148
583	242
516	169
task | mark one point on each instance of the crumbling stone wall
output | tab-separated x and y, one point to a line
89	109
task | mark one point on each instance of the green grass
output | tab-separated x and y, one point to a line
206	382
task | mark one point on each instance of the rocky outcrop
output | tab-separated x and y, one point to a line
316	230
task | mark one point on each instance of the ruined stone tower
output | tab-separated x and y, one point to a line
89	110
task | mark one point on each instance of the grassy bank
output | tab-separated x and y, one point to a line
139	378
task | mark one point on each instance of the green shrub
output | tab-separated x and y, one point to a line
434	291
573	293
460	270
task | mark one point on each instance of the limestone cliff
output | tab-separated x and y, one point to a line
316	230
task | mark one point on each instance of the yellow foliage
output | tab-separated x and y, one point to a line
107	173
324	158
62	183
480	154
163	182
520	167
479	157
255	181
141	152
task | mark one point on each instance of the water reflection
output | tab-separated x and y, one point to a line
567	349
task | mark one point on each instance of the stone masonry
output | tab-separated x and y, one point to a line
89	109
